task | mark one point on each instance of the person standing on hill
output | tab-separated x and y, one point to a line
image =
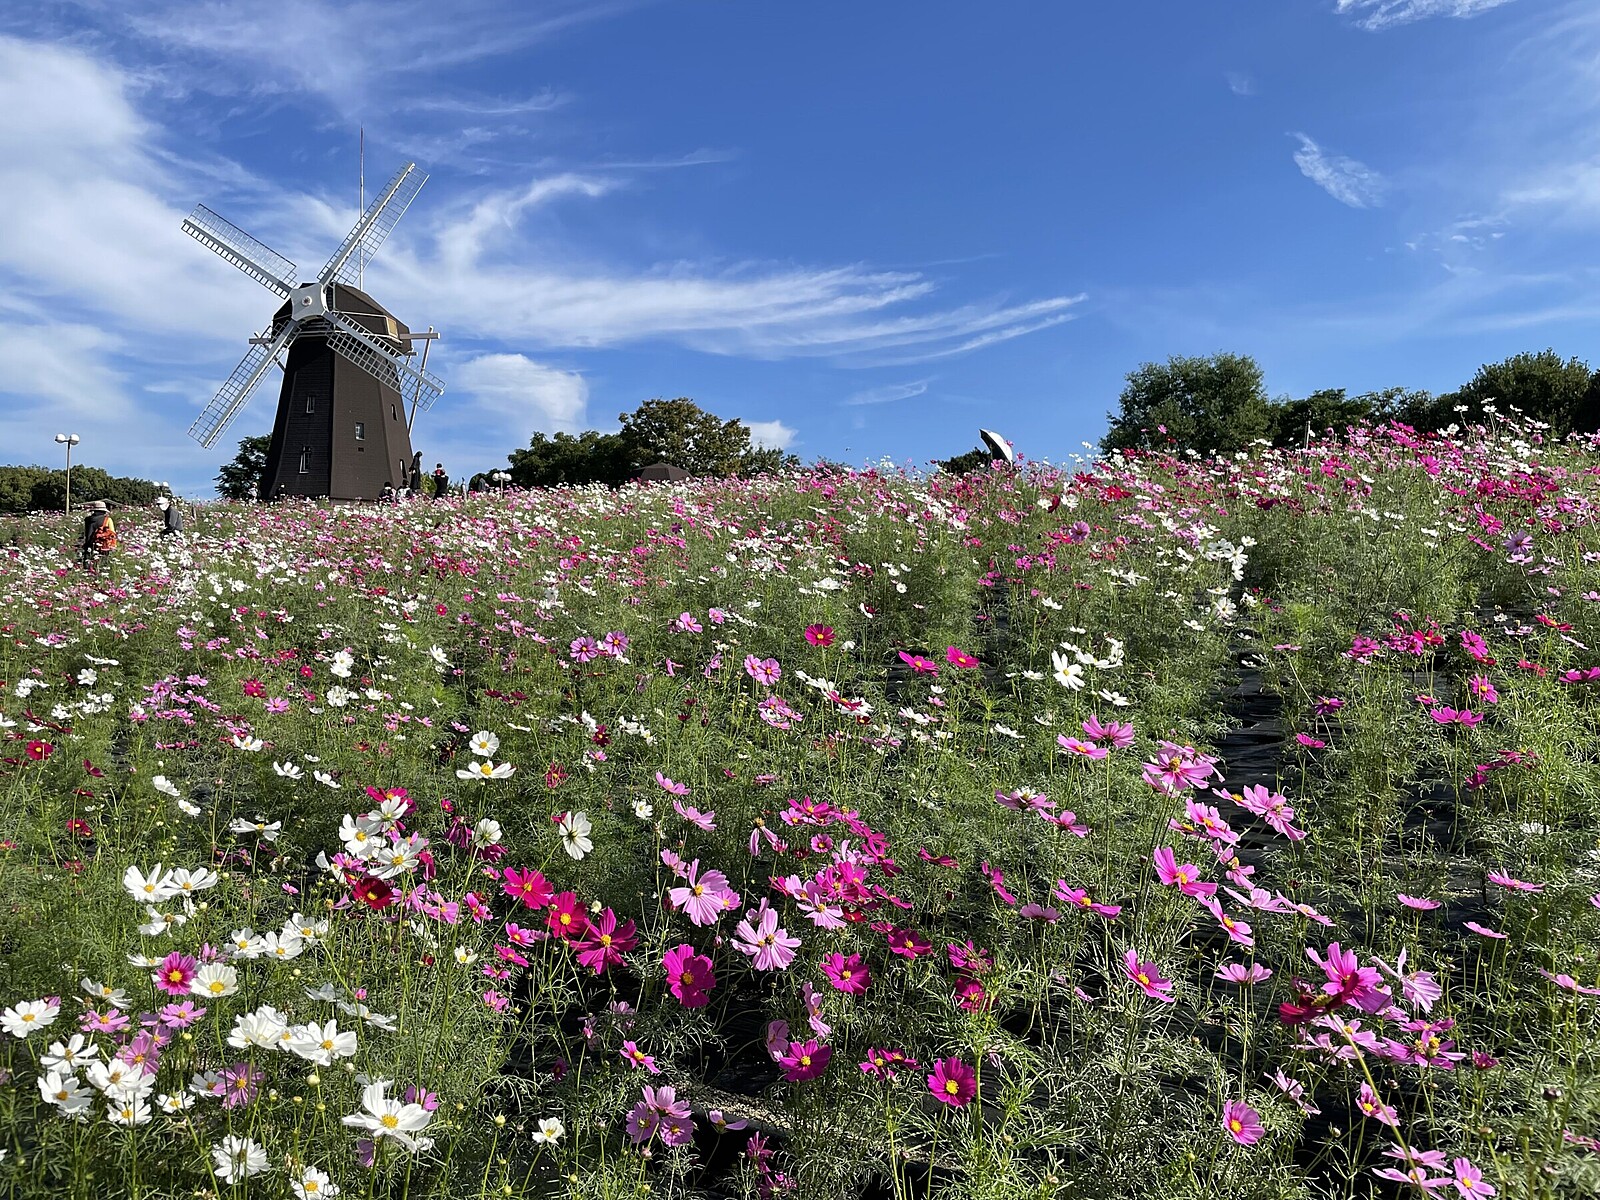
441	481
99	535
171	517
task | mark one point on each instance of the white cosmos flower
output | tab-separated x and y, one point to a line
312	1184
117	1079
389	1118
69	1055
186	881
129	1111
192	810
550	1130
358	835
104	993
28	1018
238	1158
1068	674
325	779
465	956
440	658
643	809
288	770
264	828
322	1044
165	786
339	696
310	929
215	980
243	741
173	1103
62	1089
486	833
343	661
1115	699
486	770
158	922
575	830
264	1027
152	886
484	744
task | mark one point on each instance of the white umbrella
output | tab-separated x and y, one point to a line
998	446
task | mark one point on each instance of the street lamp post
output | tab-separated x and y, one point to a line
69	440
501	478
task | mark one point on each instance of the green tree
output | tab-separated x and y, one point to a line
588	457
766	460
241	478
962	464
1213	404
1545	387
684	434
16	487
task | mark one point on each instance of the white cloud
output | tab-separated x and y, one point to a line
773	435
1381	14
1346	180
1240	84
889	393
1575	189
525	395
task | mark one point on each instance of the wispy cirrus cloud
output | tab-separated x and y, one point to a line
1346	180
888	393
1382	14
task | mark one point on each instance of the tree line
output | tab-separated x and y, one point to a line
27	489
1217	404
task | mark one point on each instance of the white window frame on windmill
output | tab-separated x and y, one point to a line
361	431
305	460
311	404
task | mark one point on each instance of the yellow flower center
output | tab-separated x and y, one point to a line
217	987
390	1121
1236	1125
951	1087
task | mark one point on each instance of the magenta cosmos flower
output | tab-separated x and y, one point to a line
918	664
175	974
957	657
530	887
805	1060
605	942
1242	1123
770	946
953	1082
1147	978
847	974
689	976
820	635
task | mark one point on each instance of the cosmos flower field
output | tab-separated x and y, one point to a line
1144	827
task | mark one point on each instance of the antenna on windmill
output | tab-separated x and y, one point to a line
335	415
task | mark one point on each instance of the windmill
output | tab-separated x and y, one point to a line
342	429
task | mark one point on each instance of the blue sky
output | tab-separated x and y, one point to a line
864	229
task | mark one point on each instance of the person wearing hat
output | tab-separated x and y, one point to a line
99	534
172	517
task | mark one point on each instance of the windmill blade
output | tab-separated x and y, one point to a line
232	395
381	216
999	448
262	263
372	356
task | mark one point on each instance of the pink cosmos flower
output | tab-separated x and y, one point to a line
677	789
1347	979
1296	1091
175	974
1485	931
530	887
959	658
240	1083
689	976
1421	903
1177	768
1516	885
764	671
1368	1102
637	1058
686	623
584	649
1183	876
805	1060
847	974
700	820
1081	748
908	943
604	943
567	918
1568	983
1243	974
1469	1180
997	881
1147	978
953	1082
769	946
1242	1123
918	664
819	635
704	897
1237	930
1118	733
1067	820
1080	898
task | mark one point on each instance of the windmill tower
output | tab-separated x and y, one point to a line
342	428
